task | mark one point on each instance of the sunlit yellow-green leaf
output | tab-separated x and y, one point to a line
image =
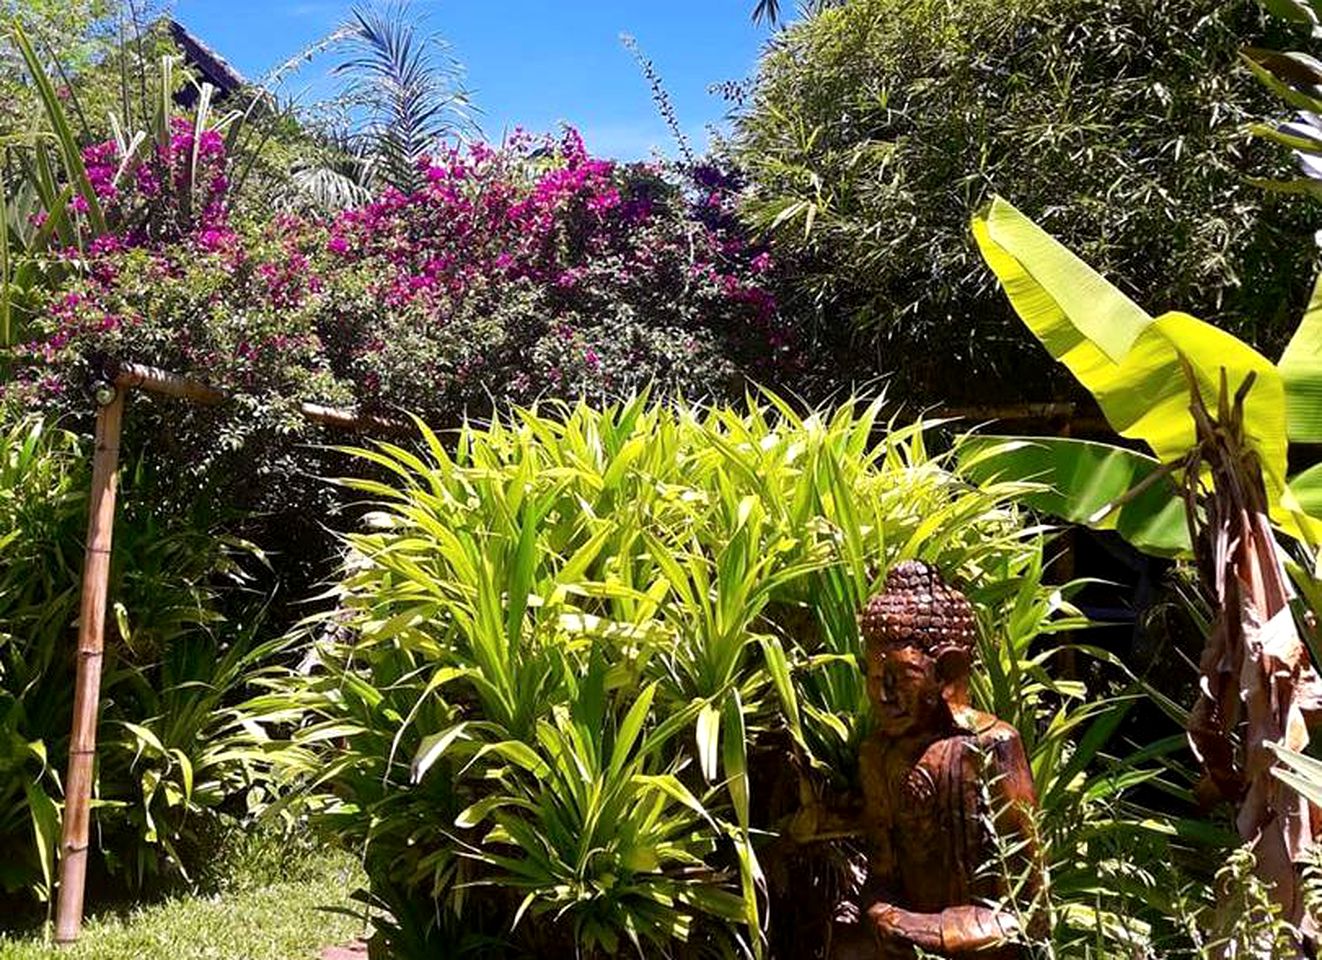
1079	317
1128	361
1301	369
1149	393
1307	489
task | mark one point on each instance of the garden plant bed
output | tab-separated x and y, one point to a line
416	543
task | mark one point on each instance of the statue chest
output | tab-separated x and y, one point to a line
938	825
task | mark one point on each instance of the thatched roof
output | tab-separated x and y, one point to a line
210	66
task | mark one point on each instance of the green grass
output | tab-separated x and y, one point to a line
285	920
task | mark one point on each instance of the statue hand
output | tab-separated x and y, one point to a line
894	925
884	918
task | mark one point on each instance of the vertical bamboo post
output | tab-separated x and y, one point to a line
87	688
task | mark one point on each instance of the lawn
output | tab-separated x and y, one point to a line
289	920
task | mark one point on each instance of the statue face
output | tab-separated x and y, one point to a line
904	689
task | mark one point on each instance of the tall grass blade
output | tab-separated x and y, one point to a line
59	121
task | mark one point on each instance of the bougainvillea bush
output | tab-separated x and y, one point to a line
519	271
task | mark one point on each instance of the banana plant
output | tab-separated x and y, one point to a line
1141	371
1218	418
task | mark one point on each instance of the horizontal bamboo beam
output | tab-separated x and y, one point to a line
349	420
155	380
1018	411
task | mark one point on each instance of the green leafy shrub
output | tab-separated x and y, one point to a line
584	662
79	36
876	128
174	755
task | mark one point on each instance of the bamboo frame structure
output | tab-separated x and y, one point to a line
87	689
112	396
154	380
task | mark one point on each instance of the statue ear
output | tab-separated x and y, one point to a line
952	665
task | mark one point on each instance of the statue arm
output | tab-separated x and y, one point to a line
952	932
1014	806
971	928
828	820
844	815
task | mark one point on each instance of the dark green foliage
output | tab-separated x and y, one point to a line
1293	76
876	128
174	756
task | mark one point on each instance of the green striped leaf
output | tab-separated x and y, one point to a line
1080	481
1301	370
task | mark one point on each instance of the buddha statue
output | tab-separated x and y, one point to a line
947	794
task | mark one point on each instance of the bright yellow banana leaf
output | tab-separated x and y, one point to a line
1131	362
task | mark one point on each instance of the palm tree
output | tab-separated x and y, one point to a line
403	89
769	10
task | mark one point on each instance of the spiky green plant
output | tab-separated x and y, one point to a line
580	658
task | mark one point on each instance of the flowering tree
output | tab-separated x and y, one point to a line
514	272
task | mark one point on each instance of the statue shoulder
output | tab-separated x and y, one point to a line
1004	758
986	729
992	732
992	737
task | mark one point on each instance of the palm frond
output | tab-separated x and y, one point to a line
404	87
325	188
767	11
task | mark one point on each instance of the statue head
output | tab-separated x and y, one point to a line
919	635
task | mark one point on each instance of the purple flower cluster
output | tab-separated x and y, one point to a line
161	193
517	270
583	227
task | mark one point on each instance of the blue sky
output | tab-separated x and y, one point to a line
533	63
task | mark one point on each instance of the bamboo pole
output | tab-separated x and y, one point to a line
153	380
87	688
349	419
1014	411
76	820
